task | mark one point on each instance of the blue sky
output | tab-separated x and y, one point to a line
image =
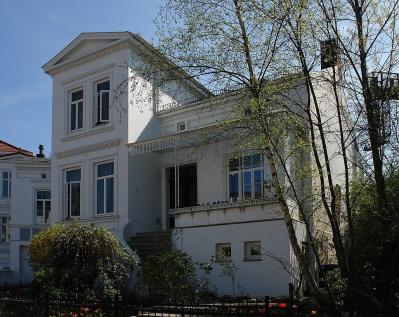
31	33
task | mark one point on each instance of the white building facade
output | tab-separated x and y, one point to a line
126	157
25	208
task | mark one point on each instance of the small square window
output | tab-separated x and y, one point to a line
181	126
223	251
43	176
252	251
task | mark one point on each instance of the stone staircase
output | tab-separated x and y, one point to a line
148	243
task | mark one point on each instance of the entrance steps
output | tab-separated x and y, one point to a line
149	243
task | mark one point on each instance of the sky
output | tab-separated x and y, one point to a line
34	31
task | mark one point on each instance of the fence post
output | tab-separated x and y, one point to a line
116	305
290	299
267	300
46	305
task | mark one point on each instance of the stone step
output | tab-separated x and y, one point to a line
147	243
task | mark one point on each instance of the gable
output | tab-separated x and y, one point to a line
84	47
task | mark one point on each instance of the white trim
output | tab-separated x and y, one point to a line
88	148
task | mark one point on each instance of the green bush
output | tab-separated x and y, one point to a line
80	259
172	275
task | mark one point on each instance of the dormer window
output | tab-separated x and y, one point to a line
76	110
102	102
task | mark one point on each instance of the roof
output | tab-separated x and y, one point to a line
7	149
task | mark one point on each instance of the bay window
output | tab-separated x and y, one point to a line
5	184
76	110
103	101
43	206
72	193
105	188
246	179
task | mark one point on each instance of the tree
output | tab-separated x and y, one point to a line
80	259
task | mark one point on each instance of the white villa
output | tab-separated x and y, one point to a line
25	207
128	163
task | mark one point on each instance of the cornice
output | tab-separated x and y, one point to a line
88	148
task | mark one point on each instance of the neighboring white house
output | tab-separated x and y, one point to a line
117	155
25	206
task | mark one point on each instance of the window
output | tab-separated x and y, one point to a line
43	175
252	250
43	206
105	188
102	104
5	184
246	177
223	251
181	126
5	228
72	193
76	110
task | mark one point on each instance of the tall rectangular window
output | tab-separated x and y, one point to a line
105	188
103	101
43	206
5	228
72	193
246	177
5	184
76	110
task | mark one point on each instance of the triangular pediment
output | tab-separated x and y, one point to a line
85	44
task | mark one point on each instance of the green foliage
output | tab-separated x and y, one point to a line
80	259
172	274
376	250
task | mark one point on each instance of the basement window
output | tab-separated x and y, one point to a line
223	252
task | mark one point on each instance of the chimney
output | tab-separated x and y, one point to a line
41	151
329	53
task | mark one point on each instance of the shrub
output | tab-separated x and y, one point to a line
80	259
172	275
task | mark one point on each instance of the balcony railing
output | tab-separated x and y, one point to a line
224	205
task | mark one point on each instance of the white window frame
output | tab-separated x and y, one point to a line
6	225
67	214
100	120
8	181
241	170
247	251
218	251
76	103
105	189
43	201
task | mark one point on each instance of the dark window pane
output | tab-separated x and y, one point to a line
47	194
75	199
248	161
5	188
103	86
77	95
110	195
233	186
105	169
256	160
40	194
73	176
80	115
234	164
105	106
73	116
39	208
247	185
100	196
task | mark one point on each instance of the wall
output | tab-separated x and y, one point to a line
257	278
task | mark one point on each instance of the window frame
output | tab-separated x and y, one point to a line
98	120
222	257
68	213
240	175
76	103
6	225
44	200
104	178
8	180
247	251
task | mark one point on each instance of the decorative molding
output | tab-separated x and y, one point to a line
87	133
88	148
90	56
89	74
